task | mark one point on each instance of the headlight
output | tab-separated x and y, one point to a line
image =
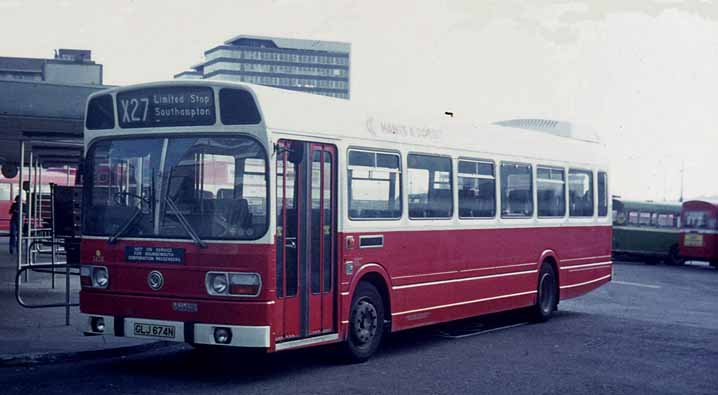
100	278
222	335
97	324
94	276
233	284
217	283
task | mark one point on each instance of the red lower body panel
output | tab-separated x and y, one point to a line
208	311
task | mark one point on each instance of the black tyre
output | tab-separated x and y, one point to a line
674	257
547	297
366	324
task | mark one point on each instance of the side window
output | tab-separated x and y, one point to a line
374	185
666	220
654	219
551	192
477	189
580	193
633	218
516	190
602	194
430	189
619	217
644	219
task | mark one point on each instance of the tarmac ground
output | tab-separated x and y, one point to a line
34	335
652	330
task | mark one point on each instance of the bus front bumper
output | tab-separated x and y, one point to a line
178	331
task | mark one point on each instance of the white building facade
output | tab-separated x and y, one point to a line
319	67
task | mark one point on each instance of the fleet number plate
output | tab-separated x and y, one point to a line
154	330
693	240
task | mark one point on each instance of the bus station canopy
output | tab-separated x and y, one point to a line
47	117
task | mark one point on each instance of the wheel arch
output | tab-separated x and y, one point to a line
377	276
550	257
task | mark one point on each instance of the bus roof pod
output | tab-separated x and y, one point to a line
550	126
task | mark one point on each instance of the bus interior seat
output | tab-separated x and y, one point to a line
442	202
235	211
519	202
225	193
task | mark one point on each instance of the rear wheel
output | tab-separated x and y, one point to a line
674	256
547	297
366	324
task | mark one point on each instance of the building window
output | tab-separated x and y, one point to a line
477	189
516	190
375	185
430	189
551	192
580	193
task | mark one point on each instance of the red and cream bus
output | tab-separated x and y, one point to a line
239	215
699	231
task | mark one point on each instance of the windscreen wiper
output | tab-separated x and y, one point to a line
185	224
136	215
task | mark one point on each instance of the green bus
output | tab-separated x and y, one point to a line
646	230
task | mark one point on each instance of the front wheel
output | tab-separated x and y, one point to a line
366	324
547	297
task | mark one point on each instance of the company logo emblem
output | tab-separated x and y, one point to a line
155	280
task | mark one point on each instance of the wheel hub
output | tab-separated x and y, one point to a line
365	322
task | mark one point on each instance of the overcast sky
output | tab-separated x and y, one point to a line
644	74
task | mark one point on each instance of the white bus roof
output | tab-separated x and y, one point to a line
341	119
304	114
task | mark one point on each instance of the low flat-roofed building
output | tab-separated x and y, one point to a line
72	66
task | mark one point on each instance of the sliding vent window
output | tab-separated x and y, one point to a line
580	193
516	190
430	193
374	185
477	189
551	192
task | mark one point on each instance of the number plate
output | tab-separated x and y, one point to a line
153	330
693	240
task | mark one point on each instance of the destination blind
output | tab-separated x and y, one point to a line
166	106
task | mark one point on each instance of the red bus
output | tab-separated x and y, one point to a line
699	231
229	214
9	189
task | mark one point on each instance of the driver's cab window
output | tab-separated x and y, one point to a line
221	192
202	177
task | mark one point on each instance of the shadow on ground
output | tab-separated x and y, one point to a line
237	366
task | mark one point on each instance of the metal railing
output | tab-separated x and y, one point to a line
35	234
39	267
